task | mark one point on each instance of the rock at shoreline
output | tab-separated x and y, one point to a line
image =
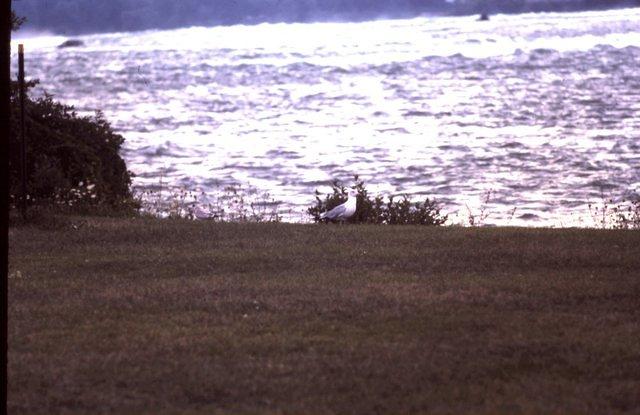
71	43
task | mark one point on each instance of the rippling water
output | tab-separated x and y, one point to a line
542	109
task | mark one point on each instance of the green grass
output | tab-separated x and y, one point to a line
166	317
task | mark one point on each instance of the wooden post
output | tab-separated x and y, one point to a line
23	143
5	131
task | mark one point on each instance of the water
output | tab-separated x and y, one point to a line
541	109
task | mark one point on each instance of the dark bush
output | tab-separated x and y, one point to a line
71	159
375	210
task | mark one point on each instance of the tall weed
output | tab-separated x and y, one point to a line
232	204
609	214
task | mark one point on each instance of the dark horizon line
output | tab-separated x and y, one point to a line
122	25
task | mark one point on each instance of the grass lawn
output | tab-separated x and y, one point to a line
165	317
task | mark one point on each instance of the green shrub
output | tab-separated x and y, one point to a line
71	159
376	210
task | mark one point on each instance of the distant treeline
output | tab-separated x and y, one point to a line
86	16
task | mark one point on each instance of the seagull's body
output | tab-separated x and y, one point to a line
344	211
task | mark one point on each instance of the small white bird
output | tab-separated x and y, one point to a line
344	211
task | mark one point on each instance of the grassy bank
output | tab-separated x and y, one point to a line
159	316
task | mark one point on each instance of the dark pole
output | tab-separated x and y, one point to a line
23	143
5	130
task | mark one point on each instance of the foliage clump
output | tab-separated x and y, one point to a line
611	215
376	211
233	204
71	160
628	215
16	21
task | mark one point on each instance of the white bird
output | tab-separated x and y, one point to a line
344	211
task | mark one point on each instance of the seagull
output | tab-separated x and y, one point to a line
344	211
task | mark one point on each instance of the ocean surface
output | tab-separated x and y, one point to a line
527	118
